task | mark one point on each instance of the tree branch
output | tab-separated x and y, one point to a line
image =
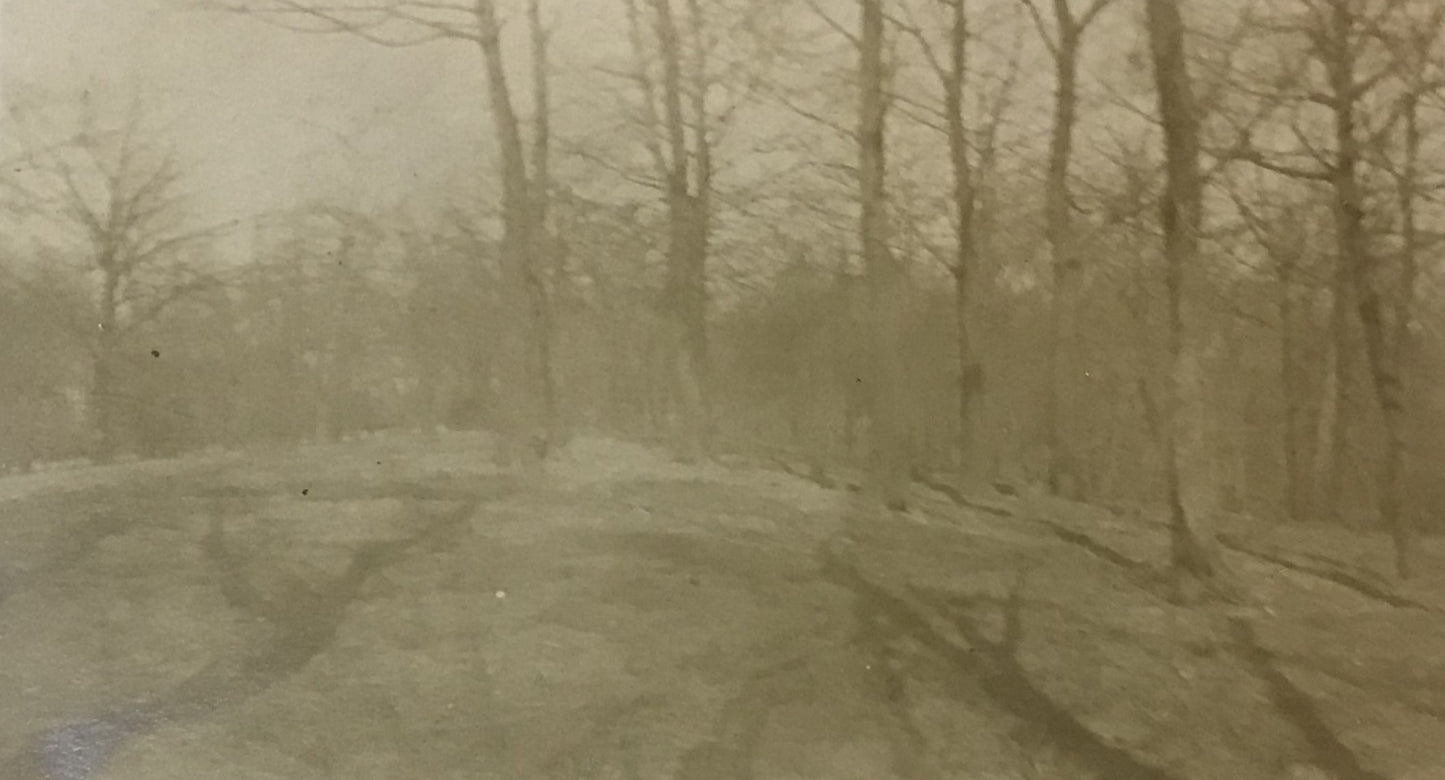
833	23
1091	13
1046	35
368	22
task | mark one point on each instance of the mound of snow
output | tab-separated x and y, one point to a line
590	462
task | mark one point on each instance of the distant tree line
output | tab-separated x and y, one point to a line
1196	267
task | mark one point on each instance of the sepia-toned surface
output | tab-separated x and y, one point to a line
722	389
412	615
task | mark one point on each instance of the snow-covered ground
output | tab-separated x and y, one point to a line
397	608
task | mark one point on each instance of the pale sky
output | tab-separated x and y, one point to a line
273	116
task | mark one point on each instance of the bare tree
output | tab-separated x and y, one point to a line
1280	226
887	278
332	313
113	196
525	374
1194	554
694	64
971	159
1370	55
1388	294
547	272
1064	39
687	172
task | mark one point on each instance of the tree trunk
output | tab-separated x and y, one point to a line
1329	424
1293	494
970	379
688	228
520	388
544	274
1372	303
103	392
889	467
1065	267
1394	487
1333	425
970	373
852	365
701	233
1194	554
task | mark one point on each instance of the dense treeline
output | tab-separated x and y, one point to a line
699	273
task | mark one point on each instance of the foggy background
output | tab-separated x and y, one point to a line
349	276
722	389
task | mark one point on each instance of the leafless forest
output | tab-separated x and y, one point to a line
1091	265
